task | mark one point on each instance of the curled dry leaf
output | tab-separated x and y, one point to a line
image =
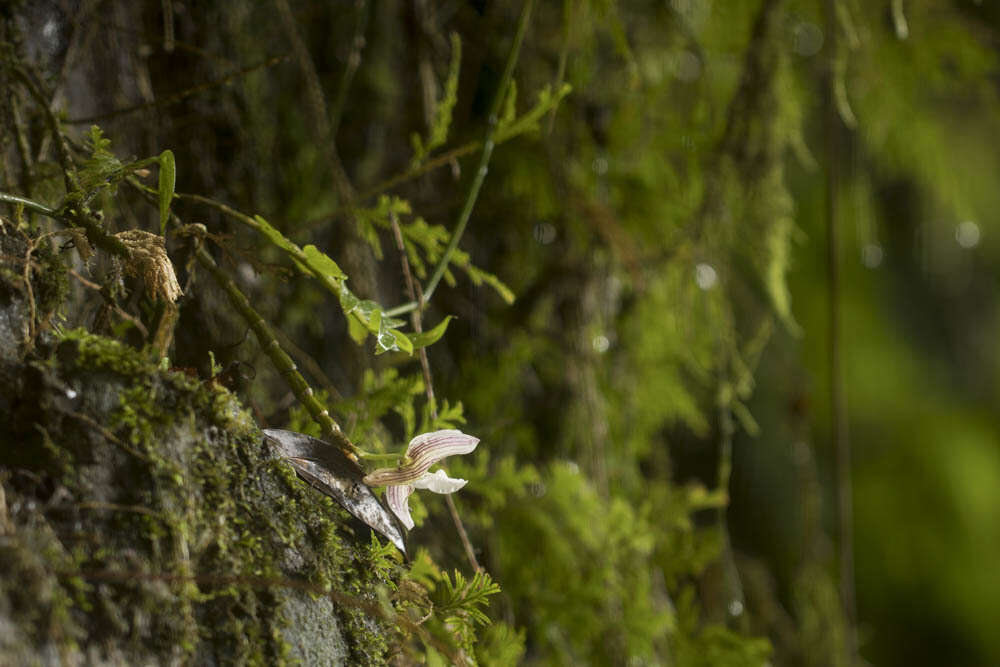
150	262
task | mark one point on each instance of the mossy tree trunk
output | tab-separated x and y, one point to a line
144	520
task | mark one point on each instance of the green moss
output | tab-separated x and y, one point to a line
203	536
98	352
50	282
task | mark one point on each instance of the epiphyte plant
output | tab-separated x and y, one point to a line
413	470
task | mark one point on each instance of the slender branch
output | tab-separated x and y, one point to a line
168	25
568	22
484	160
182	95
317	104
68	168
292	249
310	364
735	602
239	216
477	180
838	396
272	348
268	341
410	174
413	290
353	62
95	233
29	205
23	147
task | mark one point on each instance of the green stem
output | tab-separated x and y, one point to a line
484	159
95	233
29	204
293	250
280	359
268	341
353	61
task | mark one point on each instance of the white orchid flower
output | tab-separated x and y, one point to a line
413	471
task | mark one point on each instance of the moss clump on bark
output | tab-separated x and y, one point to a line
145	518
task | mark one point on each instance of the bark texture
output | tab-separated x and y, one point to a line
143	519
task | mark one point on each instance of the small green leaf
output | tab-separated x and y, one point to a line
348	302
402	341
321	263
426	338
277	238
357	331
374	318
168	179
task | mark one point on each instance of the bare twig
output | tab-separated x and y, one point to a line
32	244
353	62
441	160
569	16
413	291
484	159
134	321
23	147
316	104
68	168
182	95
838	396
272	348
480	174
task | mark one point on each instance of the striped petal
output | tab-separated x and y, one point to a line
398	498
424	451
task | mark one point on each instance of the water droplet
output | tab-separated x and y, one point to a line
601	344
871	255
735	607
967	234
600	166
50	30
807	39
544	232
705	276
247	273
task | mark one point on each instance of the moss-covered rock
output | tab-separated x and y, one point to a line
144	519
